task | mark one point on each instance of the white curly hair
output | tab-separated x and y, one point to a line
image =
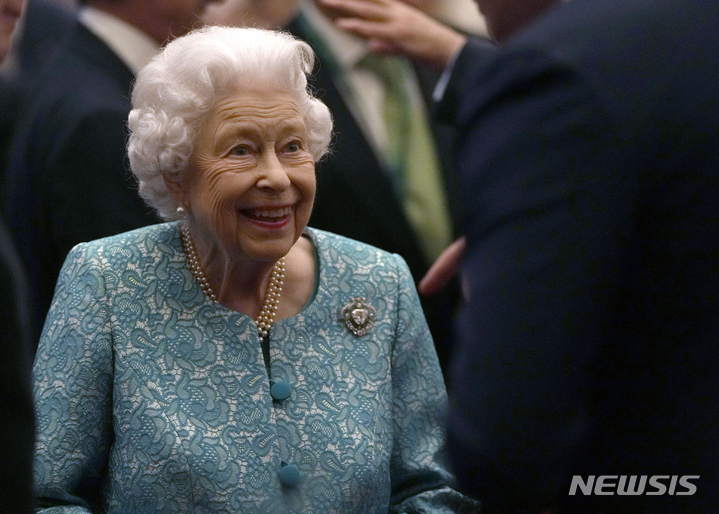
176	90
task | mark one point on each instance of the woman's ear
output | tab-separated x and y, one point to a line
177	191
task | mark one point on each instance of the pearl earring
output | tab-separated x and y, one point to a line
181	211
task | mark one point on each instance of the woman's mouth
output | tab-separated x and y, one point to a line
268	215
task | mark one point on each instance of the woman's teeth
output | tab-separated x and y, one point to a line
274	213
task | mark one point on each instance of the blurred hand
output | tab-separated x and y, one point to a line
444	268
394	27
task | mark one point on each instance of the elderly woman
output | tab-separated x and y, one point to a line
233	360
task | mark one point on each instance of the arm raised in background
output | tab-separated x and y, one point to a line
394	27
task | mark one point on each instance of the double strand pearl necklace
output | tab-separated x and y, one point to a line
266	317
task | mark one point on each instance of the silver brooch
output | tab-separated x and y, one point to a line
358	316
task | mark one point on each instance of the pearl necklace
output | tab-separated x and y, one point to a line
271	302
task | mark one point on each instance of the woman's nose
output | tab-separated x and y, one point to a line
273	174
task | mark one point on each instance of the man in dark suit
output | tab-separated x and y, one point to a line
45	25
69	179
589	159
17	422
356	194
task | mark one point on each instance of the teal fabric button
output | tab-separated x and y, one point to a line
280	390
289	475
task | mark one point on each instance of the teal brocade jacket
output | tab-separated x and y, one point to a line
150	398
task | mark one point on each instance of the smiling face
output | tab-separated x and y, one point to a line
250	185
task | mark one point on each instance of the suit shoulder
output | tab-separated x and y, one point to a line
84	75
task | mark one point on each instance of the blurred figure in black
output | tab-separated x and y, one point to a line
17	424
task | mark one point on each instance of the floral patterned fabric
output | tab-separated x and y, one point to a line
151	398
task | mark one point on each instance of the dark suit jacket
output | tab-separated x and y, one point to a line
17	427
355	196
47	24
69	178
10	90
589	158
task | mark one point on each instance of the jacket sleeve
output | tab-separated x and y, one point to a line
73	389
420	480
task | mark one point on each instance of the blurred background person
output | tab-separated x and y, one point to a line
69	180
11	12
234	360
17	424
38	37
266	14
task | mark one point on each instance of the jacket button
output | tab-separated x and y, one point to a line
280	390
289	475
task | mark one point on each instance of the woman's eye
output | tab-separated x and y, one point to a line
241	150
293	146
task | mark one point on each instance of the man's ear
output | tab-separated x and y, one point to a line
176	190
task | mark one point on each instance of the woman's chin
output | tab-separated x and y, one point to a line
269	249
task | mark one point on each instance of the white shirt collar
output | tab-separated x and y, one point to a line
133	46
346	48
